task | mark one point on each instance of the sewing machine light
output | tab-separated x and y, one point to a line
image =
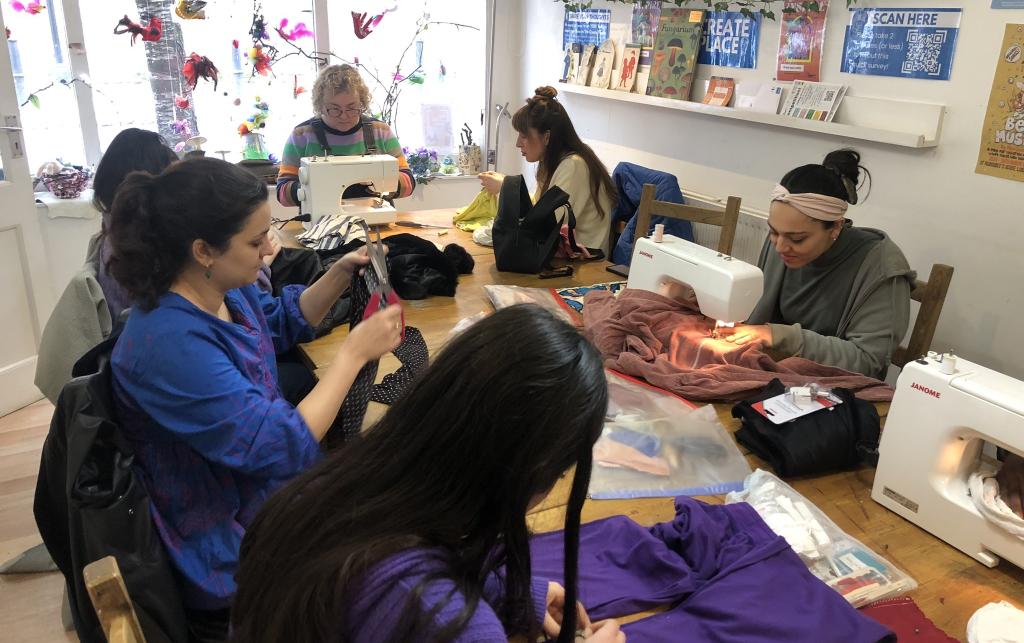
719	324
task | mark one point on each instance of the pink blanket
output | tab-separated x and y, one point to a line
646	335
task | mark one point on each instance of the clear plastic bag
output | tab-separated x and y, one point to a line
656	444
505	296
843	562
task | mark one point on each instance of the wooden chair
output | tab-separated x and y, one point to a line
932	295
110	599
725	219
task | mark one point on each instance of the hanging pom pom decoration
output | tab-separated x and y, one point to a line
260	61
150	33
182	128
197	67
190	9
296	32
181	102
234	43
296	90
31	8
258	30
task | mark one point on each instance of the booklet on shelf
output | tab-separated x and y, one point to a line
759	97
720	91
814	101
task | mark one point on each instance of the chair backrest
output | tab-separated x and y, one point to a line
726	218
932	295
110	599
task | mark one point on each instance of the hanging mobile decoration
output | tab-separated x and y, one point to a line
260	61
197	67
296	89
296	32
257	120
258	30
31	8
182	128
182	102
363	26
190	9
150	33
234	43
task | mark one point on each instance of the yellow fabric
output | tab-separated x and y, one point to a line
478	213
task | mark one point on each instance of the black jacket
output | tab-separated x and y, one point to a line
90	504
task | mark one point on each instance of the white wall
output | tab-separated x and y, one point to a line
930	201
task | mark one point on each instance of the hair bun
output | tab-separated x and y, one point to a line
845	163
545	91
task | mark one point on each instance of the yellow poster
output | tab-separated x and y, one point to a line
1002	135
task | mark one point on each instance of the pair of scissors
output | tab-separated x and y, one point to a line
376	276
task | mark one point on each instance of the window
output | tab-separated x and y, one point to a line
448	60
136	85
39	57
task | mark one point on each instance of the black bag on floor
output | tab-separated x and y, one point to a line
526	234
841	437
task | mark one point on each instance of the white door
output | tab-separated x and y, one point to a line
26	298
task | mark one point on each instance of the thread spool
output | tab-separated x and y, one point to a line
659	232
948	364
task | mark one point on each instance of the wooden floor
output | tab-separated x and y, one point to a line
29	603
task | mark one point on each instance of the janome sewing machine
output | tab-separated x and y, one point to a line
323	180
727	289
944	410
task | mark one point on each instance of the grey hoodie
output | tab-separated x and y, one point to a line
875	313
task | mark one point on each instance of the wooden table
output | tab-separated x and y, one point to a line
951	584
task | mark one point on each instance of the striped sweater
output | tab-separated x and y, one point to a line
303	143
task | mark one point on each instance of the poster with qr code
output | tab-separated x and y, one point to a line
587	27
1002	134
905	43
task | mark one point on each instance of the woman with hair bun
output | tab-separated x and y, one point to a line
194	373
548	138
834	293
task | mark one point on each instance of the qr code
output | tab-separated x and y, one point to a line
923	52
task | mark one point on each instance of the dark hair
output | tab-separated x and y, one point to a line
155	219
545	114
506	409
133	149
838	176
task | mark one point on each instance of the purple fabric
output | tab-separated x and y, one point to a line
727	575
389	584
117	297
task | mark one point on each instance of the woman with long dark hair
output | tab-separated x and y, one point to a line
194	374
416	530
548	138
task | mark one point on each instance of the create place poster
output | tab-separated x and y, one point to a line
1002	135
731	39
801	36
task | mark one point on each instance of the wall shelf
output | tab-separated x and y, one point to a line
892	122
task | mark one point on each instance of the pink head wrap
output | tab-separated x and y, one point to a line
816	206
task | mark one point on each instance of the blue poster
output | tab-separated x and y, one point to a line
1008	4
587	27
730	39
905	43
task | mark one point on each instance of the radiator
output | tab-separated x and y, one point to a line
751	229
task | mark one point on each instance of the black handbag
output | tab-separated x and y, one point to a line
526	234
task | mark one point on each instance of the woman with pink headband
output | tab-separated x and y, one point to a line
833	293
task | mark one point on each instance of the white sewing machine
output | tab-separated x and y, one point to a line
323	179
944	410
727	289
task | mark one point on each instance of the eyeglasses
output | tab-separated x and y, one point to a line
335	112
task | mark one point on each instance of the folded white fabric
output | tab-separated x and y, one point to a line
996	623
985	493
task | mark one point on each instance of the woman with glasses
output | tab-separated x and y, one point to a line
341	128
